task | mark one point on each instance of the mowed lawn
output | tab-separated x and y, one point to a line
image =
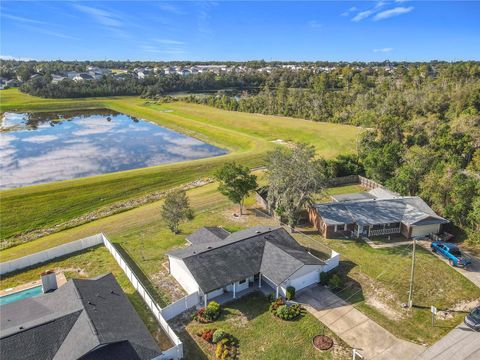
263	336
247	137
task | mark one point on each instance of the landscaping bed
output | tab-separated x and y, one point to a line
259	335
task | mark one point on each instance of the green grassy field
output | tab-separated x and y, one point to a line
247	137
263	336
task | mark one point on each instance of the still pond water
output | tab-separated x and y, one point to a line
43	147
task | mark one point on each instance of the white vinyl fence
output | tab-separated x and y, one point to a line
176	352
50	254
331	263
162	315
181	305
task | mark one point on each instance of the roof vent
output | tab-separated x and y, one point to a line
209	247
258	232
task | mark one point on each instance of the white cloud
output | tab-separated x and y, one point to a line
171	9
23	19
103	17
40	139
362	15
383	50
10	57
314	24
169	42
43	30
349	11
392	12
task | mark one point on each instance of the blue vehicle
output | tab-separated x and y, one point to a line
451	252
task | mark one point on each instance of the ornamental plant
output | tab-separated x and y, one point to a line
212	311
218	335
290	294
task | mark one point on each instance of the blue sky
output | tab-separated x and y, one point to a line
227	30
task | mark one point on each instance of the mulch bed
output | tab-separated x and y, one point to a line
322	342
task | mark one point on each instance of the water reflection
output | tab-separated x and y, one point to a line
43	147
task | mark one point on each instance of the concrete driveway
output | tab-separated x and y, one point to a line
462	343
473	271
355	328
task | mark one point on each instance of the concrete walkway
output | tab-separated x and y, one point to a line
355	328
462	343
386	244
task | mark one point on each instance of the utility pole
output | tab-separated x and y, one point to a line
412	273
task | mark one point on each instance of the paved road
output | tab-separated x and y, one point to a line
355	328
473	271
462	343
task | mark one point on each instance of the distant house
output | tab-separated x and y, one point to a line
375	213
71	74
83	77
58	78
86	319
218	262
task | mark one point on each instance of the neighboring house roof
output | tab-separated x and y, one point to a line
352	197
83	319
376	193
273	252
408	210
207	235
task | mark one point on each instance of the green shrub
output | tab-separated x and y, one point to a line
325	278
212	311
335	282
290	293
286	312
218	335
271	297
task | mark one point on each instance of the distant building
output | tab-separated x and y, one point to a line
58	78
83	77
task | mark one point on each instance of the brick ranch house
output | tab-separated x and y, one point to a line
217	263
377	212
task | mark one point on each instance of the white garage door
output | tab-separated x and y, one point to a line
305	280
425	229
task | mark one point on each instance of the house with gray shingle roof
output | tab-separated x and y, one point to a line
217	262
378	212
86	319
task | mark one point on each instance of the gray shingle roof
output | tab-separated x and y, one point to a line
408	210
74	321
207	235
245	253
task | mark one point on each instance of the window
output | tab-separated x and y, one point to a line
242	282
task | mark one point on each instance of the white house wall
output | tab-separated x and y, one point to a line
423	230
214	293
180	272
305	276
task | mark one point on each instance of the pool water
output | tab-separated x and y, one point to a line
20	295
